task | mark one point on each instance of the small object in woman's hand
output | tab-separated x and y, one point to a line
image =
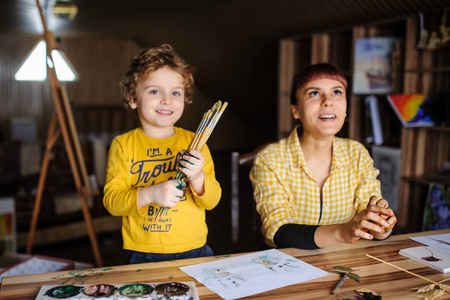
382	215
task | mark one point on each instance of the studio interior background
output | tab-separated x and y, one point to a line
245	53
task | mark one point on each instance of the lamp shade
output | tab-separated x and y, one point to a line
34	67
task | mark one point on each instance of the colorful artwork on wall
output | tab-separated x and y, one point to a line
409	110
376	65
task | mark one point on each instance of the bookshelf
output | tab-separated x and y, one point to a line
424	150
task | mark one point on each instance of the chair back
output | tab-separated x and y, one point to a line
245	221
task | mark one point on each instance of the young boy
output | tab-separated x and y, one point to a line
142	164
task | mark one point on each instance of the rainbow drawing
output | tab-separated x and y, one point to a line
408	108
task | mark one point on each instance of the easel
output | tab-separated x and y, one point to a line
67	127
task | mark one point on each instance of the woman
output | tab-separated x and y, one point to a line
313	189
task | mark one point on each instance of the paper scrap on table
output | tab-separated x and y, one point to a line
437	241
429	256
249	274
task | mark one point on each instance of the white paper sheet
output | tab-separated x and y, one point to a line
429	256
249	274
438	241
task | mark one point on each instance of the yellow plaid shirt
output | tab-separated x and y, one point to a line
286	193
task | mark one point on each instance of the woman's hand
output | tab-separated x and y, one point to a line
377	220
389	216
191	164
164	194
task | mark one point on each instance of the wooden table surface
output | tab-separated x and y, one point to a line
381	278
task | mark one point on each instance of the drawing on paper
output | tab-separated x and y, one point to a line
231	279
226	279
276	264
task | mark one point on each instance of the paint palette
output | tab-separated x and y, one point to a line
134	291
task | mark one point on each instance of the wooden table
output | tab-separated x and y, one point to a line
376	276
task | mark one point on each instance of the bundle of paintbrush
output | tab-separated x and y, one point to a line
203	132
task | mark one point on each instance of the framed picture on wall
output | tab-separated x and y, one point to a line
437	208
376	64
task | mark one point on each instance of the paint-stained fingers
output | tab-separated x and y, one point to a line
382	203
373	201
363	233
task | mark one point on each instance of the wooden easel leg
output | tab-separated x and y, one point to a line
52	136
74	153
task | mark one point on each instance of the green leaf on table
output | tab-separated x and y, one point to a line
354	276
343	268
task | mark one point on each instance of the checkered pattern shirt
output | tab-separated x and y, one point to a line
286	193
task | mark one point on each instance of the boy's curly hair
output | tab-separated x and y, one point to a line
149	60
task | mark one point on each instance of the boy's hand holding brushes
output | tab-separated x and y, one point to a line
191	165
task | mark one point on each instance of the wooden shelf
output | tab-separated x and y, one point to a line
429	70
426	180
434	128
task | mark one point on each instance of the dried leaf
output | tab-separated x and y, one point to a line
343	269
425	288
445	287
434	295
354	276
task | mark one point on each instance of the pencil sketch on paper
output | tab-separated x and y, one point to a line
226	279
277	264
234	276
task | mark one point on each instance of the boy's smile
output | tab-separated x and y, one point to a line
159	102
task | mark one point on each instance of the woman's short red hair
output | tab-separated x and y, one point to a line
314	72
